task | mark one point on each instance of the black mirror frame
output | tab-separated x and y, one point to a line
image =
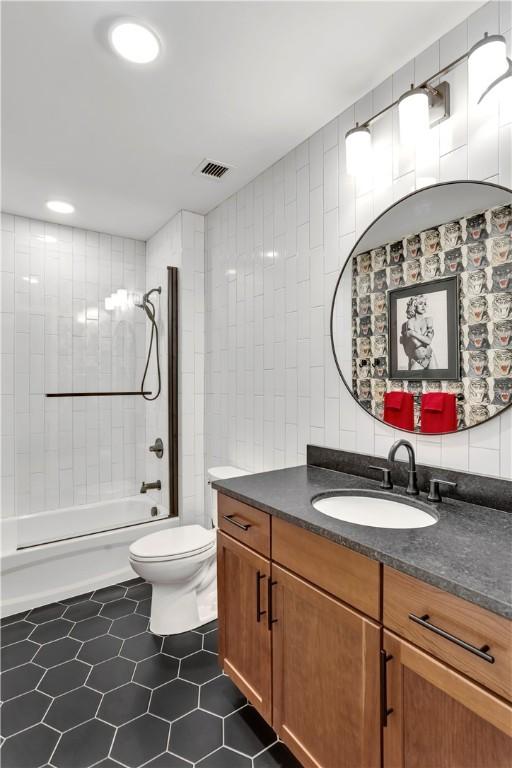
348	260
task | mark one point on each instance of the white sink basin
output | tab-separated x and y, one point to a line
374	509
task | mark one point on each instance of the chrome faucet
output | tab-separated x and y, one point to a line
156	486
412	481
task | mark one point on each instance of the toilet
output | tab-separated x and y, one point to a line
180	564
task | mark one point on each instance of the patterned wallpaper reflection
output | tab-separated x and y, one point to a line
478	247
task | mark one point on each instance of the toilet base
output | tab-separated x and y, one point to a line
172	614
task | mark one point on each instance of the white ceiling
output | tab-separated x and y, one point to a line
240	83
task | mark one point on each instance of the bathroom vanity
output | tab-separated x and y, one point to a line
366	646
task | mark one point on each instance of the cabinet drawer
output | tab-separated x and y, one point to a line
249	525
468	627
352	577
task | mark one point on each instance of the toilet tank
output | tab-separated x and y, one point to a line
221	473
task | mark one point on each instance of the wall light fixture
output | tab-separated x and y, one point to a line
427	105
487	63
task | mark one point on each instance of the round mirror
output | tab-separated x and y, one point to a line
421	318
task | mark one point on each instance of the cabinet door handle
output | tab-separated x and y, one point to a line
259	613
270	584
231	519
423	621
384	709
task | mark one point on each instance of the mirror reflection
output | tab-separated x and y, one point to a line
421	320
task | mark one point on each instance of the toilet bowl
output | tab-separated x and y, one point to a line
180	564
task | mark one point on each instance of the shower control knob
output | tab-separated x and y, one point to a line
157	448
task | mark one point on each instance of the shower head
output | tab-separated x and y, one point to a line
148	294
145	297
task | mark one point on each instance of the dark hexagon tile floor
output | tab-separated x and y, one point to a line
84	683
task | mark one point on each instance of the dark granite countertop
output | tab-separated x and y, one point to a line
468	552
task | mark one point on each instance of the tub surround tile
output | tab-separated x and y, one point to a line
467	552
137	704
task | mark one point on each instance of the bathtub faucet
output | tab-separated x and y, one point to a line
145	487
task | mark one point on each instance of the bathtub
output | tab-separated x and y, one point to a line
87	548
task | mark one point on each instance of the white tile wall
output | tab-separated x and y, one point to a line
57	336
180	243
271	383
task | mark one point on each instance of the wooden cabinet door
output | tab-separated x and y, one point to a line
326	677
438	718
244	634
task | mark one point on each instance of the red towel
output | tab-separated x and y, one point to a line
399	410
438	412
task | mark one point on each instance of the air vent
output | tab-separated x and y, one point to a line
211	170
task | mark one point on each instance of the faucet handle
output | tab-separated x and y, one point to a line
386	476
434	483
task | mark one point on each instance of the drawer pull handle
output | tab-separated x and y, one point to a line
423	621
259	613
231	519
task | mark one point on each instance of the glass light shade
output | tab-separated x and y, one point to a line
413	115
134	42
358	147
500	90
487	61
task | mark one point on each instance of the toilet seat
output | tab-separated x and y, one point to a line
173	544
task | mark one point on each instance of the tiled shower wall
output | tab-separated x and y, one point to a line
58	337
180	243
274	251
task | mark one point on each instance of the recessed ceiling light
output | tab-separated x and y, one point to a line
59	206
134	42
